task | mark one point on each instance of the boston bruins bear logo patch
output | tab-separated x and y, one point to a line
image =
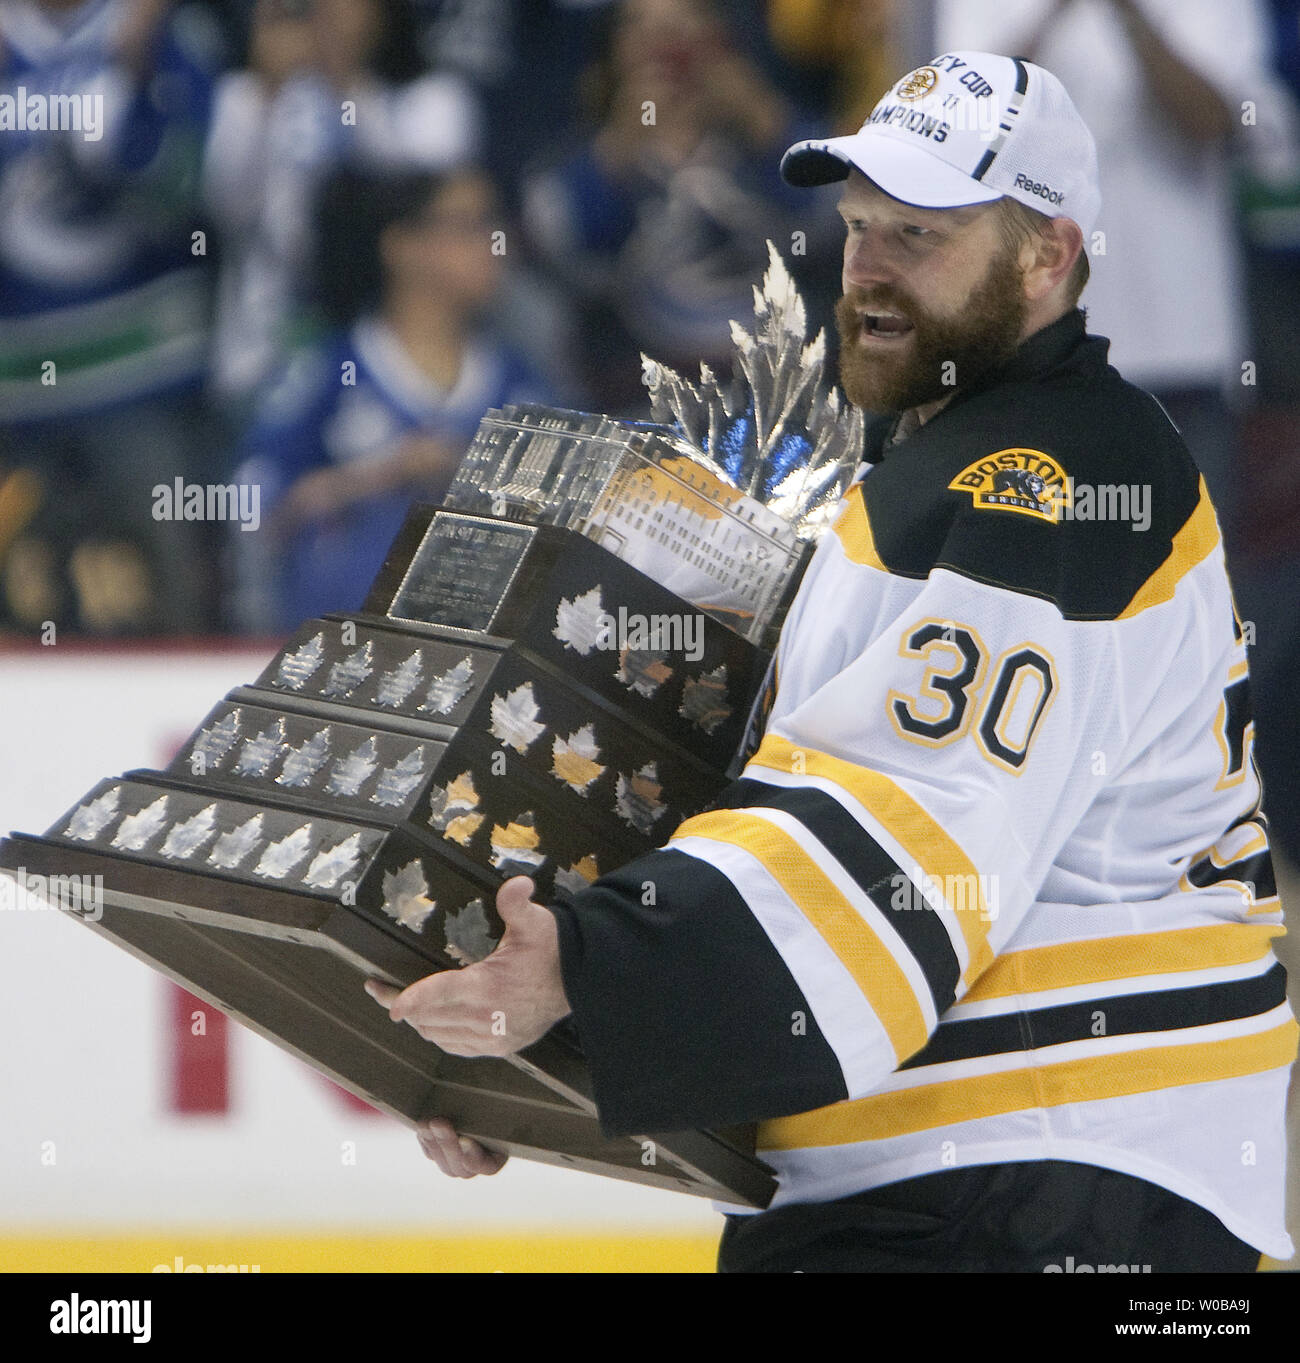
1025	481
918	83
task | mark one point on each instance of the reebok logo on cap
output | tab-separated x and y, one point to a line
1053	196
968	128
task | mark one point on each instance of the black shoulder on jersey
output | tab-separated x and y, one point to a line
1069	487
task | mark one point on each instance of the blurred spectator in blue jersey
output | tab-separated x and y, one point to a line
103	309
328	83
380	413
655	225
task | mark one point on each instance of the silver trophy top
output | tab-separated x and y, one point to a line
778	431
717	498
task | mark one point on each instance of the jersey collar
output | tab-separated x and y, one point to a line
1043	351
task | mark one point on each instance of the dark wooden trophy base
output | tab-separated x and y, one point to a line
338	821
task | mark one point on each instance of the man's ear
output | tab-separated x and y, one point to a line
1048	257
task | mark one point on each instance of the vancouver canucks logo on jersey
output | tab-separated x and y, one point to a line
1025	481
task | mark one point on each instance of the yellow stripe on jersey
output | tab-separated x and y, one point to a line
1089	1079
924	841
853	530
871	964
1199	535
1098	959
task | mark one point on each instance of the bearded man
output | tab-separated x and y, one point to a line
981	938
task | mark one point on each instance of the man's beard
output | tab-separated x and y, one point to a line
943	353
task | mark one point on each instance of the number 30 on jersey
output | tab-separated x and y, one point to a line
952	697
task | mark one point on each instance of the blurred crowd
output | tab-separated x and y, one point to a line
301	246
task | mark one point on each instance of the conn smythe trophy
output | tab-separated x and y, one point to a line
550	672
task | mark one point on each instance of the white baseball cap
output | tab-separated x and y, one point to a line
968	128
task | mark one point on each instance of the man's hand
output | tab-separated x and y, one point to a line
499	1005
321	495
421	462
457	1156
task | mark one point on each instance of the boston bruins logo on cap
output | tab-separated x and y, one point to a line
918	84
1025	481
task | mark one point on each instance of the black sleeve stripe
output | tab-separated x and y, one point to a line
876	873
1163	1010
687	1014
1256	870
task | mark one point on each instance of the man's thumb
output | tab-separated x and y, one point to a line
513	902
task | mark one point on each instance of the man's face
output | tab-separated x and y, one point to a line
933	299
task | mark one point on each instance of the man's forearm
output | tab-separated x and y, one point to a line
1198	109
687	1014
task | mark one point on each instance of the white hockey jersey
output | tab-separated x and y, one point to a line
996	884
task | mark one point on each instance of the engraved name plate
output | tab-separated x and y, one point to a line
461	572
